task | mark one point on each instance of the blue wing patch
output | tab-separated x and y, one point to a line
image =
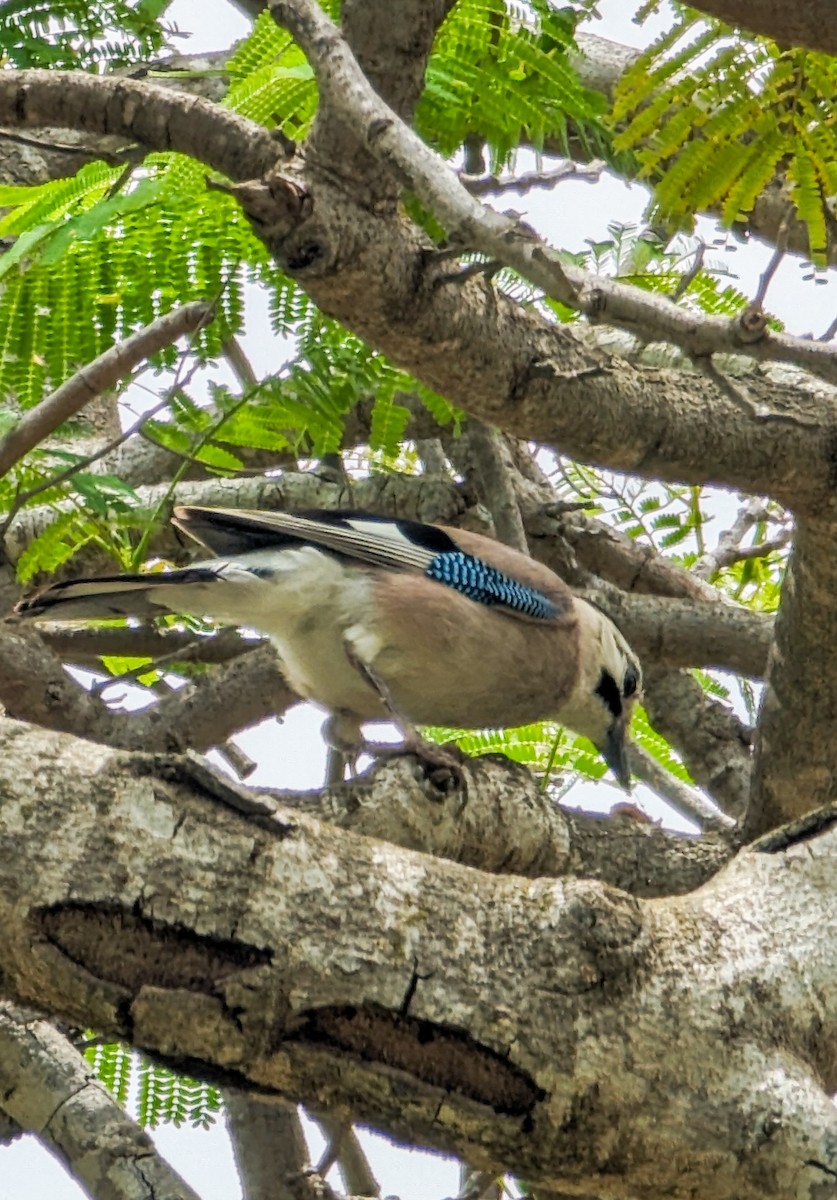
485	584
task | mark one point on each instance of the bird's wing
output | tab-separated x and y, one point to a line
392	544
380	541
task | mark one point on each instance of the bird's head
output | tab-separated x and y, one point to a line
608	685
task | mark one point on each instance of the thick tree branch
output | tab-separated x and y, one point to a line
392	45
418	497
796	757
713	743
48	1088
512	1010
269	1147
683	633
631	565
345	90
600	65
810	25
35	687
505	823
158	118
505	365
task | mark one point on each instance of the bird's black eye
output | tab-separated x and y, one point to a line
630	682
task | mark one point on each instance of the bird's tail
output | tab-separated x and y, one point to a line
107	596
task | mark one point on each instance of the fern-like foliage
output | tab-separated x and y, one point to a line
166	1098
76	33
713	118
501	72
160	1096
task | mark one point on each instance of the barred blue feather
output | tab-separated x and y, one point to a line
485	584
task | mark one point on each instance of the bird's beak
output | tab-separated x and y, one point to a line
615	753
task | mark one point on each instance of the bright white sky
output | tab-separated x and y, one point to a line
291	756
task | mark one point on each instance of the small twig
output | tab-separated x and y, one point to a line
131	150
738	394
358	1178
474	1185
23	498
120	181
729	549
233	352
474	150
691	275
238	759
750	513
96	377
188	459
145	641
488	185
332	1151
734	390
775	260
190	652
686	801
829	333
487	269
760	549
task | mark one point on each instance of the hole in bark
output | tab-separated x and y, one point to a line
130	950
437	1054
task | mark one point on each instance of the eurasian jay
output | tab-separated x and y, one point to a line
381	619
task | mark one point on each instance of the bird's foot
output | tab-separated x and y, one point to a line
440	765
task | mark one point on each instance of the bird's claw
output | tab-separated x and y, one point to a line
441	766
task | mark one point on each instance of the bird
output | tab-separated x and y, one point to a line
378	618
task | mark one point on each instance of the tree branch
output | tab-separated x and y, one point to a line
97	377
269	1147
345	90
685	800
713	743
506	823
796	754
417	497
511	368
34	687
159	118
511	1009
358	1179
484	459
683	633
48	1088
810	25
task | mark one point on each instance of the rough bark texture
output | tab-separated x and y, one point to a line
48	1088
562	1025
810	25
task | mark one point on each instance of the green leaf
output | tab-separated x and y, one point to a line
55	546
